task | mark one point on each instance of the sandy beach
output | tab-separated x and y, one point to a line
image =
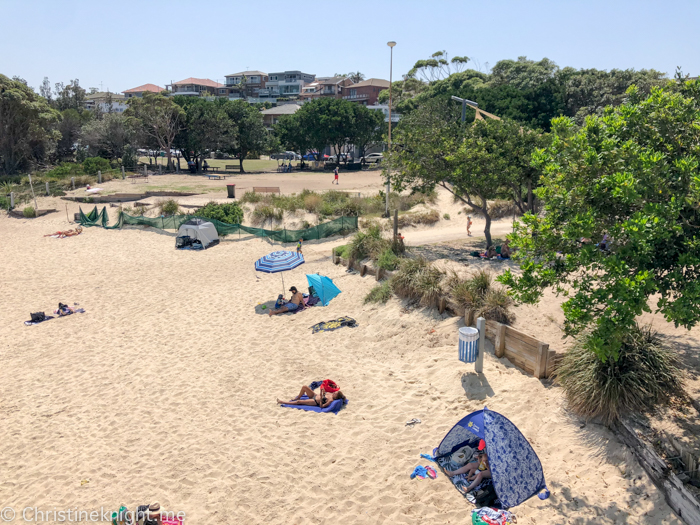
165	388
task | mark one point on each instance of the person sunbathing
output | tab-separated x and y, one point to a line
490	253
296	301
322	399
505	250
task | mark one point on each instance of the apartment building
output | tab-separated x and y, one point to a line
324	87
286	84
245	84
106	102
366	92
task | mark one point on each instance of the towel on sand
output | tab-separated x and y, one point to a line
334	407
49	317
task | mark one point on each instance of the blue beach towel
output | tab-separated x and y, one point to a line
334	407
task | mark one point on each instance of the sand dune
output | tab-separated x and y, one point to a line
165	390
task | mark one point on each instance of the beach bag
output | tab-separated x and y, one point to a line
38	317
491	516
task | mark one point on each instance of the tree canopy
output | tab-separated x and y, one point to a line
28	132
621	221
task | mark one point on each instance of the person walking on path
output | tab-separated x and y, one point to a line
469	225
336	176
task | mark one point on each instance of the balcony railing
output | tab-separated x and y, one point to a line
356	97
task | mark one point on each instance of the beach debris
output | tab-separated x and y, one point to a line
412	422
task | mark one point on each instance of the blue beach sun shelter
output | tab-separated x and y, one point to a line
323	286
515	468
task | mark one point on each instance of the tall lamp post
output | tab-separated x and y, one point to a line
388	170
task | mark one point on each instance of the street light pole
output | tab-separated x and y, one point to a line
464	102
388	169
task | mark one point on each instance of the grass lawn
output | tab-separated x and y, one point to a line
248	165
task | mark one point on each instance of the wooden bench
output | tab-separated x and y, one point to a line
232	167
265	189
524	351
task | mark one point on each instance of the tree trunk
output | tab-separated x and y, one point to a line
487	228
241	156
530	200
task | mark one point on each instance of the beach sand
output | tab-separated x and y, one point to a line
165	390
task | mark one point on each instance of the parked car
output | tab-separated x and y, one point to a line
284	155
374	158
343	158
294	155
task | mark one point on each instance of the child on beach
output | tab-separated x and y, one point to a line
335	180
299	247
469	225
476	471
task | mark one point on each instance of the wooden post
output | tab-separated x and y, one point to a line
47	188
145	171
160	169
396	224
123	174
380	272
442	305
99	177
363	270
468	316
481	326
500	342
12	200
72	182
541	360
36	208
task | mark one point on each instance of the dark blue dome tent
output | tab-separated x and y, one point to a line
515	468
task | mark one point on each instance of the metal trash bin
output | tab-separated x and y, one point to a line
231	188
468	344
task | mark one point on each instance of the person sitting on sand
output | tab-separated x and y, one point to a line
294	302
322	399
505	250
490	253
476	471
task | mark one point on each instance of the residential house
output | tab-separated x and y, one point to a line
384	108
195	87
139	91
246	84
324	87
366	92
271	116
286	84
106	102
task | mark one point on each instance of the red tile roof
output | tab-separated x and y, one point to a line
199	82
146	87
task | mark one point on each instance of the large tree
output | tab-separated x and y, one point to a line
27	127
621	224
68	96
70	127
476	162
369	128
249	134
161	119
109	136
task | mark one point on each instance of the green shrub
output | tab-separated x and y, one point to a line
229	212
29	212
252	197
265	212
417	279
411	219
446	216
94	164
168	207
496	306
64	170
342	251
368	244
379	294
312	202
388	260
645	375
4	202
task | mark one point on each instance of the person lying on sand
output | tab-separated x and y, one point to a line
322	399
291	305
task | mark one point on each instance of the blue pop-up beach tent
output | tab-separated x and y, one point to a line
515	468
324	287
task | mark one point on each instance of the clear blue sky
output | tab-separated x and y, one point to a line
124	44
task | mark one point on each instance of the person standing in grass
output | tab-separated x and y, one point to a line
469	225
336	176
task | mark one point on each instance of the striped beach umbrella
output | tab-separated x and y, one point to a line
279	261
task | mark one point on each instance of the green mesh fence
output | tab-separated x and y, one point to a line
338	226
